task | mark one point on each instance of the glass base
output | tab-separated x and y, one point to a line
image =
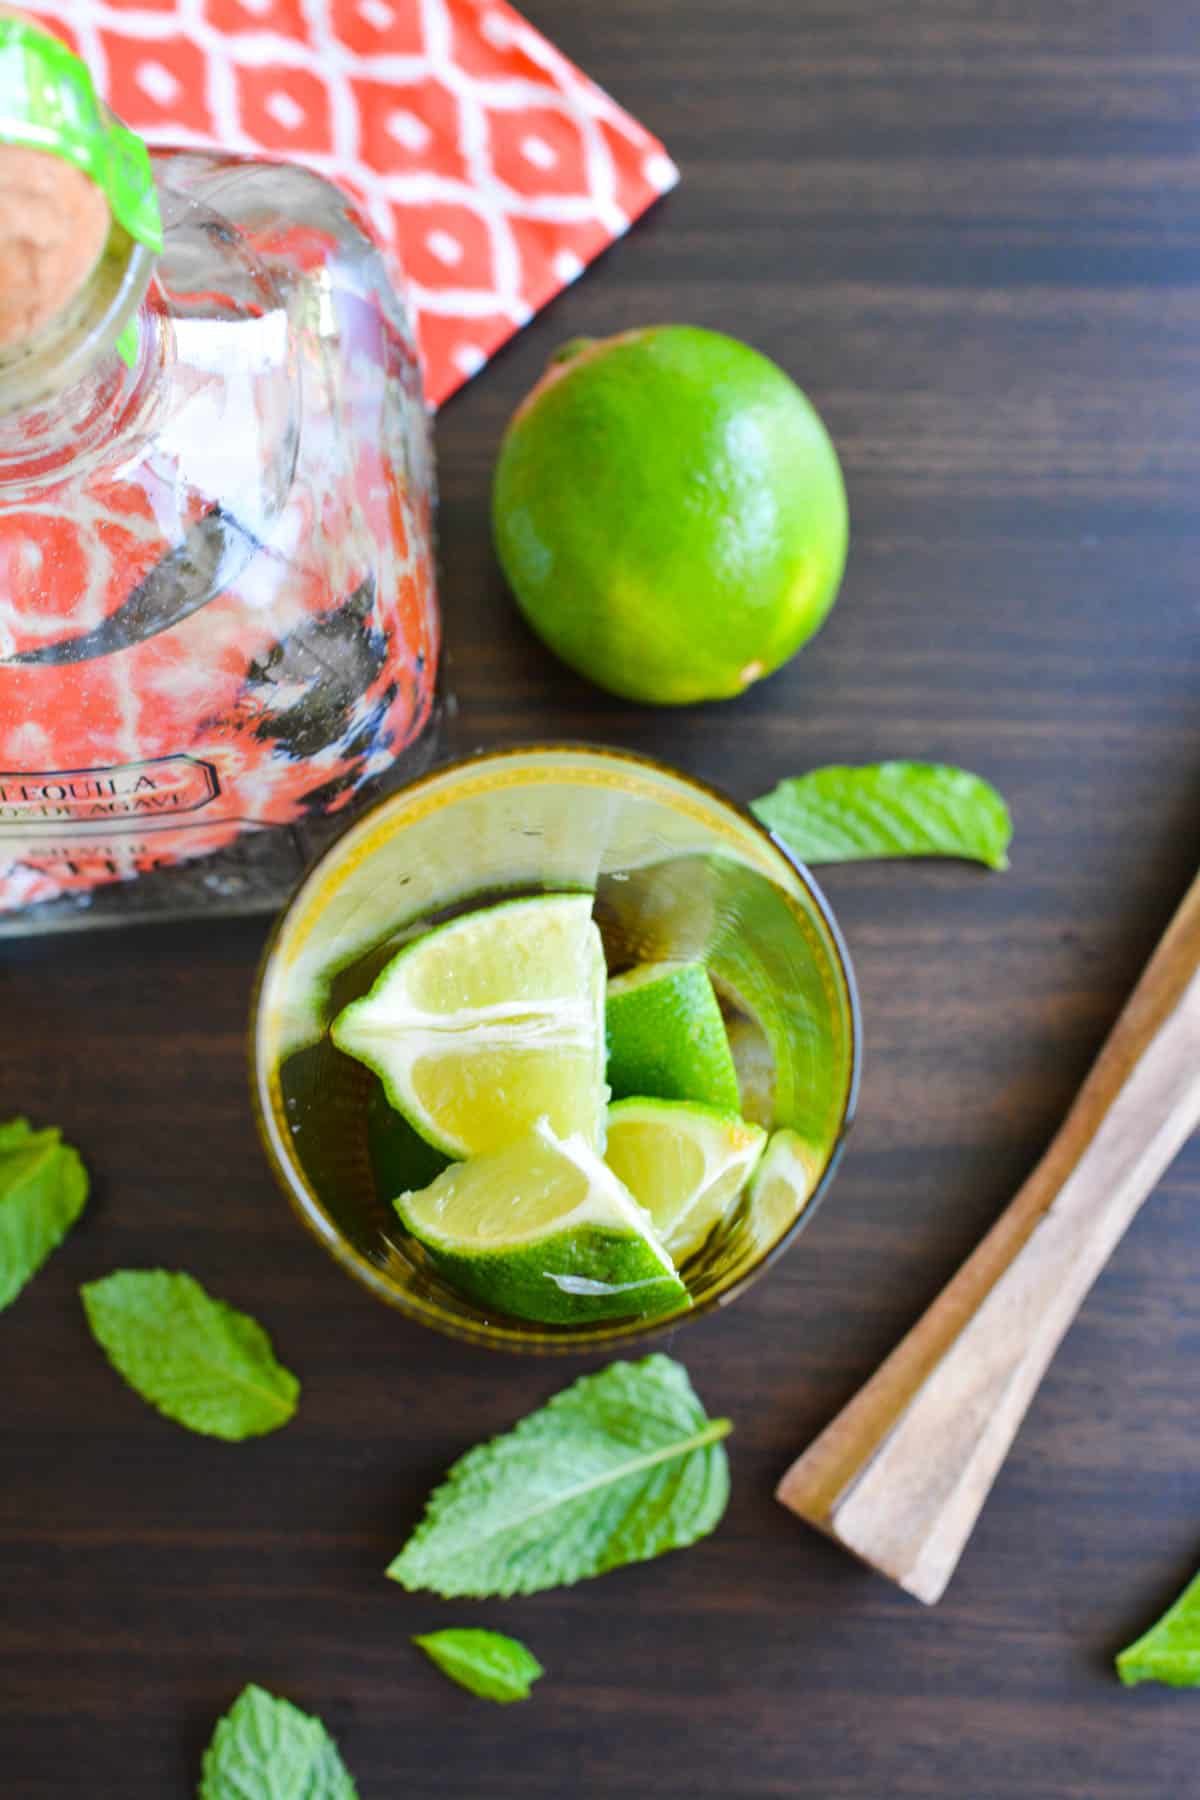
256	874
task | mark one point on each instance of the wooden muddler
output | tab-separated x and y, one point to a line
901	1474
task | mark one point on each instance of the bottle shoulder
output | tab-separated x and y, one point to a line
272	437
297	223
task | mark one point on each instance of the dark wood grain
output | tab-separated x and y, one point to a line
972	231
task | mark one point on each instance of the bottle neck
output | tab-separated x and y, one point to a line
62	390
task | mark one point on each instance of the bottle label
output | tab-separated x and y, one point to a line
122	796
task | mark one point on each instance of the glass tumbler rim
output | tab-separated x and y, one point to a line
515	1335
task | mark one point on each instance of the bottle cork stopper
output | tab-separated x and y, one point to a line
54	224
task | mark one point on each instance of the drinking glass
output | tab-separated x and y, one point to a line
679	873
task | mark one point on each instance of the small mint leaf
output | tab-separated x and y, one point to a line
267	1749
491	1665
43	1189
197	1360
887	809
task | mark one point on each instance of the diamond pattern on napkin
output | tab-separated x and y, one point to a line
486	163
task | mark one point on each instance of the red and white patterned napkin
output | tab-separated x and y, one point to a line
490	167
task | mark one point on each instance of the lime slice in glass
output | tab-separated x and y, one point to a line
666	1037
782	1186
487	1024
543	1230
686	1164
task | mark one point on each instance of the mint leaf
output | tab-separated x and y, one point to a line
194	1358
1170	1651
493	1666
842	814
43	1187
617	1468
267	1749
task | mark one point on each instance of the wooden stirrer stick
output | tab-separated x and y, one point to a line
901	1474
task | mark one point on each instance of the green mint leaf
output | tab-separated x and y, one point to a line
617	1468
194	1358
493	1666
43	1187
267	1749
888	809
1170	1651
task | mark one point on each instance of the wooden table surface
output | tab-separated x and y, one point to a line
972	232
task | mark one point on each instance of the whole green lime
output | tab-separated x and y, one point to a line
670	513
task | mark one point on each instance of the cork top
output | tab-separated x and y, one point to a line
54	224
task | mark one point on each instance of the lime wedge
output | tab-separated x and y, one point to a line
544	1231
485	1025
782	1186
666	1037
686	1164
